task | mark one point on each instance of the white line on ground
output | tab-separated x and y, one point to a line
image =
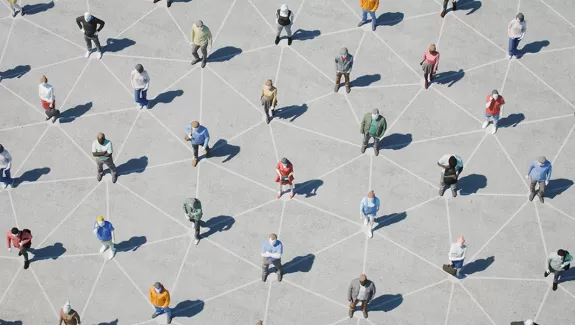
449	233
557	13
403	111
491	278
477	304
567	138
56	181
318	133
145	57
108	201
10	284
178	25
92	290
311	64
130	92
299	10
397	55
457	105
449	304
36	109
274	142
22	126
53	33
382	235
241	176
82	150
351	108
235	90
137	21
184	260
542	303
441	31
505	78
475	150
133	282
31	151
71	91
262	16
56	314
224	22
353	12
232	253
281	218
545	251
410	172
393	86
560	287
327	212
315	293
268	302
511	161
119	154
560	211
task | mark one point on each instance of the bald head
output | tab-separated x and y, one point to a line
371	194
101	138
362	279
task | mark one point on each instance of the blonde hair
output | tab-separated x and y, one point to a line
43	79
432	48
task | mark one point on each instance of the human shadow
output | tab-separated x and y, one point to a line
304	35
48	252
118	44
299	264
366	80
511	120
131	244
217	224
165	97
386	303
225	53
222	148
557	187
114	322
533	47
388	220
449	78
15	72
308	188
479	265
469	4
31	175
71	114
134	165
37	8
291	112
396	141
188	308
567	275
472	183
7	322
389	19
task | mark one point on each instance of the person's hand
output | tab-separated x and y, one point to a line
187	138
9	249
421	63
546	183
527	176
96	33
82	30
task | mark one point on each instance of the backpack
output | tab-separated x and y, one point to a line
284	21
450	176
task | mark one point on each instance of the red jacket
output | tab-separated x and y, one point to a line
15	239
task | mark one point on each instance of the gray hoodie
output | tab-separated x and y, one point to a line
341	65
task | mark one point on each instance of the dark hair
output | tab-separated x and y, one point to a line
1	148
452	162
561	252
139	68
14	231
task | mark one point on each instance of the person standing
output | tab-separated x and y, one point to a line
457	254
444	11
48	99
516	31
193	212
557	263
539	172
16	8
105	232
360	290
102	150
284	170
198	135
493	110
343	66
452	166
68	315
169	3
368	210
201	38
269	99
140	82
272	250
284	18
429	64
372	126
91	26
368	6
5	166
22	240
160	299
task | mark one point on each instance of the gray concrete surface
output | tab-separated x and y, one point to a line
218	281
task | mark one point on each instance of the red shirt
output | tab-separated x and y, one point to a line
15	239
495	106
284	171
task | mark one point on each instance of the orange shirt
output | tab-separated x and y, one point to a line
495	106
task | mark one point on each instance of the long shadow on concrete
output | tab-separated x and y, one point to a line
468	4
476	266
308	188
217	224
116	45
37	8
366	80
131	244
6	322
385	303
114	322
533	47
134	165
449	78
48	252
73	113
15	72
512	120
188	308
557	187
299	264
165	98
470	184
388	220
291	112
225	53
222	148
395	141
304	35
31	176
389	18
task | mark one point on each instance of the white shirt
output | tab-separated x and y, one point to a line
106	147
46	92
5	160
457	252
516	29
140	80
362	293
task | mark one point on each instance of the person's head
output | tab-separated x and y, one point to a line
432	48
260	323
343	52
285	162
268	84
66	308
199	23
520	18
273	239
362	279
1	148
284	9
100	221
158	287
14	231
561	252
495	94
139	68
195	125
101	138
541	160
452	161
87	16
461	240
375	114
371	196
43	79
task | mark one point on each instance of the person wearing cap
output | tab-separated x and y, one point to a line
105	232
557	263
368	209
5	166
284	19
272	250
284	170
539	172
22	240
453	7
269	99
160	299
198	135
102	150
68	316
193	212
140	80
372	126
527	322
16	8
169	2
91	26
457	254
201	38
452	166
493	110
429	64
360	290
516	31
368	6
343	66
48	99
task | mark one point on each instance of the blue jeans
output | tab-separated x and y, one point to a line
364	16
140	96
457	264
5	179
495	117
160	310
513	44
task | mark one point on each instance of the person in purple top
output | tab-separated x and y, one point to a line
272	250
539	172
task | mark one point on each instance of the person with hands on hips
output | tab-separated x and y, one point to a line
105	232
539	172
90	27
272	250
360	290
5	166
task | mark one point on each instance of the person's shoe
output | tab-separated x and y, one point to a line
54	119
376	152
493	129
194	162
99	177
99	55
373	28
347	89
195	61
140	106
14	13
531	196
279	195
87	55
268	120
350	313
204	61
145	107
364	221
169	5
336	88
485	124
454	193
4	185
426	84
47	118
114	177
509	56
111	254
154	315
365	314
554	284
431	77
363	149
541	199
197	241
22	13
20	253
169	321
280	276
156	1
441	191
103	249
546	274
454	6
370	233
360	24
291	195
443	12
264	276
277	41
27	265
289	40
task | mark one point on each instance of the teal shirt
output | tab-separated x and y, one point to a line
193	209
373	127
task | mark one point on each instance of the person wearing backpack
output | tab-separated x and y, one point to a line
556	263
193	212
284	18
21	239
452	167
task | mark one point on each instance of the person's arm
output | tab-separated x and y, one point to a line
350	63
264	252
207	138
530	169
78	22
277	15
361	206
523	29
95	153
99	22
8	242
147	76
349	290
377	204
279	252
77	316
278	170
209	35
489	100
114	236
150	297
383	128
193	34
61	319
132	79
362	126
509	28
424	58
436	64
274	96
9	158
110	151
336	65
167	303
567	261
188	136
25	241
373	291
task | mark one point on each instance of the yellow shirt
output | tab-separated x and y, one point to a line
270	94
201	35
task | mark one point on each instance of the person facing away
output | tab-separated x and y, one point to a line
198	135
556	263
429	64
68	316
284	18
452	167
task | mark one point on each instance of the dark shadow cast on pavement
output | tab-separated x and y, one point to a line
533	47
114	322
291	112
304	35
470	184
511	120
471	5
31	176
165	98
449	77
299	264
557	187
15	72
222	148
476	266
217	224
388	220
225	53
131	244
308	188
37	8
386	303
48	252
134	165
389	18
396	141
188	308
6	322
116	45
365	80
71	114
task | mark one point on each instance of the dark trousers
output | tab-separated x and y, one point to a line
5	176
338	78
90	39
277	263
196	148
52	113
363	305
24	251
204	49
513	44
366	138
532	184
445	4
197	224
108	162
141	97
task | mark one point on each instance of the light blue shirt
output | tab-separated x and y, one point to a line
540	173
199	136
368	208
277	249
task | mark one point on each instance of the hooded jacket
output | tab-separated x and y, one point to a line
369	5
161	299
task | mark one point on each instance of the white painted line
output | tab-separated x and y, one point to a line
365	249
449	304
108	201
567	138
328	212
546	119
553	50
511	162
137	21
133	283
412	292
473	277
36	109
441	31
241	176
179	139
316	294
14	215
10	284
268	302
318	133
275	81
484	65
352	110
22	126
56	181
53	33
299	10
557	13
351	10
239	134
545	251
560	211
262	17
90	158
224	22
234	89
356	55
128	90
476	148
410	172
492	194
457	105
184	260
566	291
75	84
92	290
311	64
505	78
31	151
9	258
198	181
318	98
542	303
397	55
282	218
380	233
178	25
56	314
119	154
477	303
403	111
449	233
274	142
232	253
145	57
337	243
393	86
164	240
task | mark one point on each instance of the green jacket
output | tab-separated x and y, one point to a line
366	124
193	209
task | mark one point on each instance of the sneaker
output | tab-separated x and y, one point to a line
99	55
541	199
363	149
426	84
454	193
264	276
289	40
4	185
99	177
441	191
140	106
169	321
454	6
54	118
154	315
87	55
370	235
114	177
277	41
204	63
291	196
336	88
554	284
443	12
279	195
195	61
156	1
347	89
365	221
360	24
197	241
19	253
373	28
111	254
103	249
14	13
193	224
145	107
485	124
194	162
509	56
531	196
350	313
546	274
27	265
280	276
493	129
169	5
376	152
365	314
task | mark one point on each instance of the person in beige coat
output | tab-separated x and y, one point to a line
360	290
68	315
269	99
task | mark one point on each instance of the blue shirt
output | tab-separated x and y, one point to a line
104	233
369	208
540	173
199	136
278	248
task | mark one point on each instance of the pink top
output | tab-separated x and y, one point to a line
432	59
15	239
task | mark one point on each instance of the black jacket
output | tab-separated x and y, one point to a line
91	26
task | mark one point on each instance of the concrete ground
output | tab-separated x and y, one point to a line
56	194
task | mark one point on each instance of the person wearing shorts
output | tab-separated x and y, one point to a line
493	108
